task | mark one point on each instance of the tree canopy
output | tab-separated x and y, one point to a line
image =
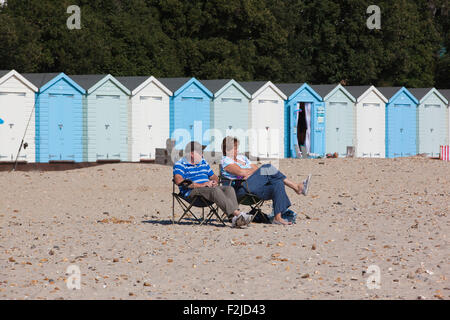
318	41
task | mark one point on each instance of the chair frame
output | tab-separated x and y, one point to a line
197	201
248	199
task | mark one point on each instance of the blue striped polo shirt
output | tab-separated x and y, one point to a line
198	173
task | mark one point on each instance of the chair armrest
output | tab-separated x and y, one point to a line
185	183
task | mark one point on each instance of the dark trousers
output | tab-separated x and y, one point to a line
267	183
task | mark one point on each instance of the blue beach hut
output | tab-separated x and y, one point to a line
106	105
190	111
59	117
305	111
401	122
340	115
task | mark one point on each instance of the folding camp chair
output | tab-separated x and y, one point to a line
197	201
248	199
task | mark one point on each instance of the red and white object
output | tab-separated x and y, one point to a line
445	153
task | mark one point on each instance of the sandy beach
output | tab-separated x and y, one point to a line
114	223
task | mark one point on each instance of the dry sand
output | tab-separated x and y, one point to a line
113	222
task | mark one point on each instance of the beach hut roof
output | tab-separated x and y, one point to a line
357	91
43	81
215	85
137	83
4	72
87	81
5	76
92	82
252	86
324	89
392	92
389	92
131	83
292	89
289	88
173	84
445	93
419	93
39	79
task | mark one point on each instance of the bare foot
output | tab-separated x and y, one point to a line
299	188
279	220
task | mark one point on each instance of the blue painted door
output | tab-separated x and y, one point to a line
318	128
192	114
401	135
108	127
61	139
409	132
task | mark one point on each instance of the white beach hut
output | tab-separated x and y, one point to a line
266	120
17	98
370	121
150	116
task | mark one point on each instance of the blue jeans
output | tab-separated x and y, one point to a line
267	183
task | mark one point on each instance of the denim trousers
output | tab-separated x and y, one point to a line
267	183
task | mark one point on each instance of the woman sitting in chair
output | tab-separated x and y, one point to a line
266	182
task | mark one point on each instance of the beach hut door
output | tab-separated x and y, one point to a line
318	129
12	125
60	128
108	126
268	126
151	125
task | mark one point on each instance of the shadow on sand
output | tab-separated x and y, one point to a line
185	222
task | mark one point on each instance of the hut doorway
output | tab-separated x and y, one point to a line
304	126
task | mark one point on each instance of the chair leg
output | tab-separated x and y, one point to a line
212	212
187	209
173	208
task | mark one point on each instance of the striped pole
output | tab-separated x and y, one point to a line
445	153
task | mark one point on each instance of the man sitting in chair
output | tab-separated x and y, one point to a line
194	169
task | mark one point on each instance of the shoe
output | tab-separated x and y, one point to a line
247	217
306	185
238	221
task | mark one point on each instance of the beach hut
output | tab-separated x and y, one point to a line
306	111
370	121
401	122
266	120
17	98
229	112
339	114
59	117
432	118
190	111
150	116
106	105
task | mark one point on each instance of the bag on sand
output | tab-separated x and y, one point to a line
288	215
261	217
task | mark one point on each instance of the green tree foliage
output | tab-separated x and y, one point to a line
318	41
